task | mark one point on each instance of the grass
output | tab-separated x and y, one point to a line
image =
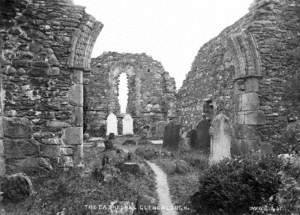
77	193
183	186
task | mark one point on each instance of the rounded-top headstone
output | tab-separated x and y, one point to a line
112	124
127	124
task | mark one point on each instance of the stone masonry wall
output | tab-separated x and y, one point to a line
246	72
45	47
151	93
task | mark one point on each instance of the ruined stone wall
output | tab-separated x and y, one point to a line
151	93
45	47
246	72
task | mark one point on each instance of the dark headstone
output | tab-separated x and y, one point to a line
159	129
171	136
192	135
102	131
202	136
108	143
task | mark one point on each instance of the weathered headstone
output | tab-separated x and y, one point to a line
160	128
127	124
220	139
112	124
171	136
184	143
202	136
108	143
192	135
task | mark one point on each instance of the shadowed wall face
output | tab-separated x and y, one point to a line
246	72
45	48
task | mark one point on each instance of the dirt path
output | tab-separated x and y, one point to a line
162	188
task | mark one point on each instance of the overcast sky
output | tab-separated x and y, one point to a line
171	31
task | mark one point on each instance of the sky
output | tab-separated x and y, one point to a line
171	31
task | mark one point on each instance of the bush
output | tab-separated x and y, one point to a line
233	186
289	193
147	152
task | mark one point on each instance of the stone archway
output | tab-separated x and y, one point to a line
46	107
247	111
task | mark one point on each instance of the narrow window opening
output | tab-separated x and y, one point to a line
123	93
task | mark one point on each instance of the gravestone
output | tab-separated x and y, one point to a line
171	136
192	135
112	124
202	136
127	124
220	139
160	128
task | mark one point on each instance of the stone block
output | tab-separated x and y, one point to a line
57	124
251	118
50	151
246	132
76	95
248	102
53	71
77	116
17	127
77	154
52	141
41	71
20	148
252	85
66	151
29	165
77	76
73	136
67	161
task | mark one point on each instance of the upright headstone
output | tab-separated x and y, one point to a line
192	135
160	128
171	136
202	136
112	124
220	139
127	124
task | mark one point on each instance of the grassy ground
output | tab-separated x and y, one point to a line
78	192
183	184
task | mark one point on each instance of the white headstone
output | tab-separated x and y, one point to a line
220	143
112	124
127	124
